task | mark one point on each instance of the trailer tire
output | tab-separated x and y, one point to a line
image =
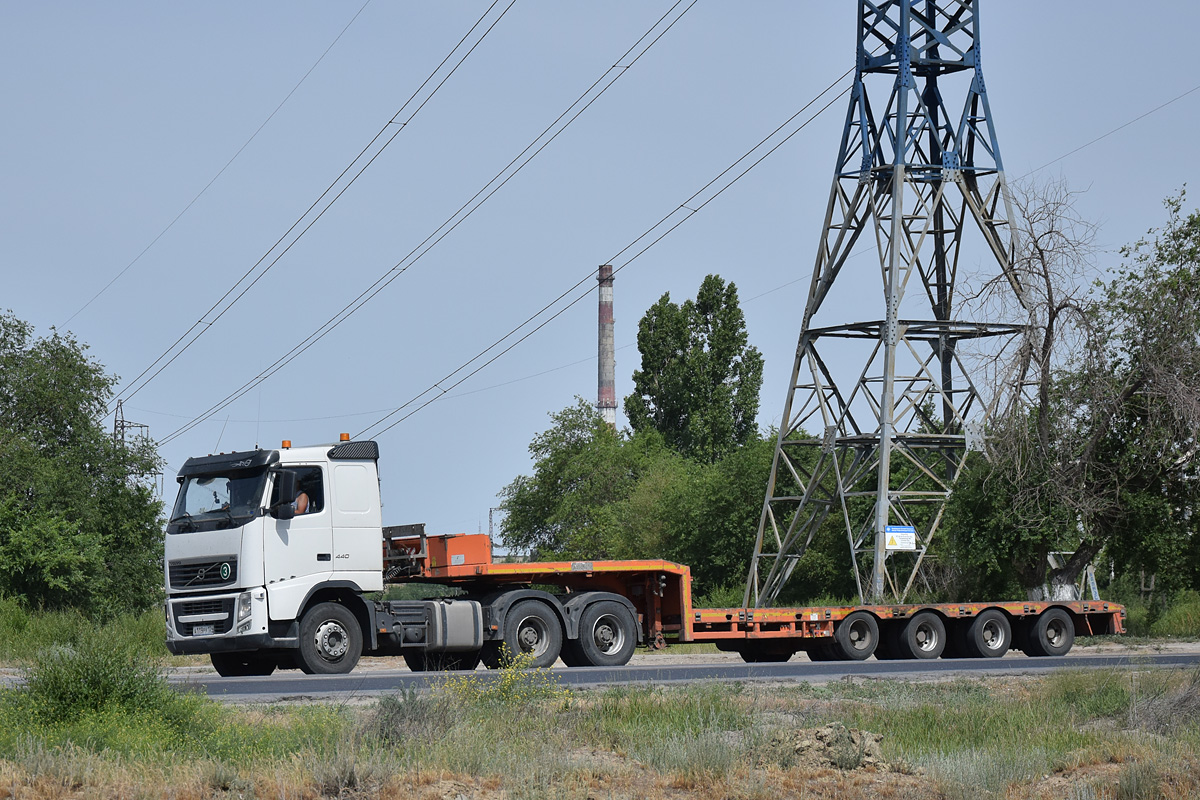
924	636
531	631
330	640
1052	634
420	661
766	656
241	665
857	636
607	636
889	641
823	651
989	635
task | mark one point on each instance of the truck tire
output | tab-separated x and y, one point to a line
607	636
531	632
330	640
857	636
420	661
240	665
989	635
1052	634
923	637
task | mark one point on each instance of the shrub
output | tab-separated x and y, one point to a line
94	674
1181	618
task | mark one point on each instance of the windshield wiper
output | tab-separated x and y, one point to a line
186	518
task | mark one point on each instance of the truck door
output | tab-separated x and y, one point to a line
298	553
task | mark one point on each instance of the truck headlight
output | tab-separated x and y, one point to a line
244	607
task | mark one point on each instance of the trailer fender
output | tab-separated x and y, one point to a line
496	605
577	603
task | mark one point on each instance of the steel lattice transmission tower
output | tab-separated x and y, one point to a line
880	414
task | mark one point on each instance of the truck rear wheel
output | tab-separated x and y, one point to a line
1052	634
420	661
989	635
857	636
330	640
607	636
531	633
240	665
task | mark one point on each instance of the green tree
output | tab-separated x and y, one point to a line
1106	455
699	380
76	527
577	502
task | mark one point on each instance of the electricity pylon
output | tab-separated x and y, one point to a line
881	413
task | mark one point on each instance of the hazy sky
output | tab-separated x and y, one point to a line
116	115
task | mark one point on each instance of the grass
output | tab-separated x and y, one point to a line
95	719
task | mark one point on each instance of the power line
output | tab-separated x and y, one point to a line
1114	130
232	295
220	172
689	206
610	76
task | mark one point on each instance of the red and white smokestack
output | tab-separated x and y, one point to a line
607	357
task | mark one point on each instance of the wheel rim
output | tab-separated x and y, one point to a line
926	637
333	641
533	636
859	636
608	634
1056	633
993	635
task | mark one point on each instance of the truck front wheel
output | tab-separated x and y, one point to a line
240	665
330	640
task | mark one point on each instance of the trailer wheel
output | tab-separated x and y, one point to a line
607	636
531	630
330	640
823	650
766	655
889	641
1053	634
420	661
240	665
924	636
857	636
989	635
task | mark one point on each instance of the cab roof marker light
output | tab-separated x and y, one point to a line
287	443
345	437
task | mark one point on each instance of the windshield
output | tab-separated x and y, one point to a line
218	501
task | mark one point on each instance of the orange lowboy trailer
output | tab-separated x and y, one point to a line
661	593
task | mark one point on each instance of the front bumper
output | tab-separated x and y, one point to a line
223	623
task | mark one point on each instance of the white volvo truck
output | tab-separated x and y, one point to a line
270	557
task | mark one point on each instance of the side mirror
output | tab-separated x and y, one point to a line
285	483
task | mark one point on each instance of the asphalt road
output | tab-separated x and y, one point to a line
293	686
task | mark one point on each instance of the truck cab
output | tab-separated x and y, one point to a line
256	538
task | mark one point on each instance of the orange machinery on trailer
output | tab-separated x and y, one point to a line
661	591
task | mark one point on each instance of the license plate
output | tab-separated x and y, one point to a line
204	630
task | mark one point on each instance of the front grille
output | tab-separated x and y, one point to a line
196	574
201	607
223	605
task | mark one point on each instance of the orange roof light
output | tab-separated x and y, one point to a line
287	443
345	437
